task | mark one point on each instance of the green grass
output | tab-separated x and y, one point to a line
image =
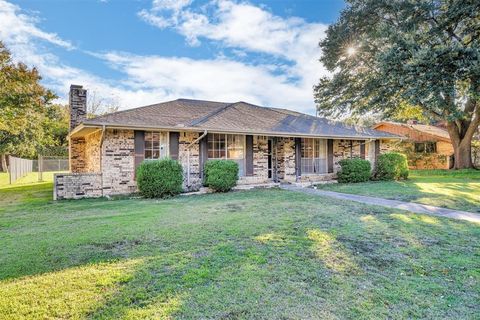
450	189
30	179
262	254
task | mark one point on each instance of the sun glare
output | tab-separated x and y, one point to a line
351	51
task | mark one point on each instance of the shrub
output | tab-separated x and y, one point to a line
391	166
354	170
221	175
159	178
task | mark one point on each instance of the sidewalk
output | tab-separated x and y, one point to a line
409	206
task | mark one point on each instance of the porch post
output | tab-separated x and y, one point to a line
298	158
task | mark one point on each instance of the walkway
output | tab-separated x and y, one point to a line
409	206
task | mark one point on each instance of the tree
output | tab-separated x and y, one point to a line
22	108
426	53
55	127
98	105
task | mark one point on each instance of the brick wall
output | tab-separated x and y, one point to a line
118	162
260	162
419	161
345	149
77	155
92	151
185	139
77	185
285	152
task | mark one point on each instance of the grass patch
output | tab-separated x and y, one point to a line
28	180
241	255
443	188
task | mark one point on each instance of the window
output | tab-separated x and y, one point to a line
314	156
426	147
227	146
156	145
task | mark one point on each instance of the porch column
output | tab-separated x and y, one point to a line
298	158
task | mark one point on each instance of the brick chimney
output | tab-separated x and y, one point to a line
78	105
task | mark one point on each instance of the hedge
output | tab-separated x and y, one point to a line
159	178
391	166
354	170
221	175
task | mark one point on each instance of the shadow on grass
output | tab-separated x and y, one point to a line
273	254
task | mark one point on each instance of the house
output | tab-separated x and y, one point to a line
426	146
269	144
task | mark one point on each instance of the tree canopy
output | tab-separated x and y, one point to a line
28	121
384	54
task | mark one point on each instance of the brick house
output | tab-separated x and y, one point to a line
269	144
426	146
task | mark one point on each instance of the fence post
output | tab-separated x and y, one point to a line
9	169
40	168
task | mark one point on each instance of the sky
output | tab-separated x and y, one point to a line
134	53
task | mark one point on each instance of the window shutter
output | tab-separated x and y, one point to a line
173	145
139	145
203	154
249	155
377	149
298	157
362	149
330	155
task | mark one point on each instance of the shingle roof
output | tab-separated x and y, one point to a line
434	131
238	117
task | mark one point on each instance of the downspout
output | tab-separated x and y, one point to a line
102	137
188	155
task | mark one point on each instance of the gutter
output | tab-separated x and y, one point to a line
188	154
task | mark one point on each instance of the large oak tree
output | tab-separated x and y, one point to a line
425	53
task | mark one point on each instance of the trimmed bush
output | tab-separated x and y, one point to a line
159	178
354	170
391	166
221	175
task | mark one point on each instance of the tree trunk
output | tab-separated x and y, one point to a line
3	163
462	144
463	154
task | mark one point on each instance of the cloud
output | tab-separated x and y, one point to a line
283	77
213	79
291	42
20	28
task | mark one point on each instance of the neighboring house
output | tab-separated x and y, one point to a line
426	146
269	144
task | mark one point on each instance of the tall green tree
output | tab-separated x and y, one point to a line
426	53
23	102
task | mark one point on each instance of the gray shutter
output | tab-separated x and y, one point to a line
249	155
330	155
139	137
203	154
362	149
298	157
377	149
173	145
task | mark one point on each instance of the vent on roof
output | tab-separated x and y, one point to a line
412	122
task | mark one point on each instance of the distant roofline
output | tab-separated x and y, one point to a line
411	126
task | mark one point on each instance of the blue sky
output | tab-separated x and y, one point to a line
133	53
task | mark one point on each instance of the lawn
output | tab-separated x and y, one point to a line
269	254
30	179
450	189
